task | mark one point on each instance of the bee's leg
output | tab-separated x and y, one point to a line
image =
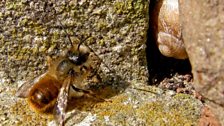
62	100
88	93
94	77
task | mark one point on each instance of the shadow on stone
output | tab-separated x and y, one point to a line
111	86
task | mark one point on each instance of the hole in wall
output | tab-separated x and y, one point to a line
159	66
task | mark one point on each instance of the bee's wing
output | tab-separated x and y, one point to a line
62	101
24	90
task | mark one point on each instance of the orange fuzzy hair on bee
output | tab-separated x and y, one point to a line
43	95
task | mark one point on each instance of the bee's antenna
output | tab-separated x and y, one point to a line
99	58
82	41
62	26
66	33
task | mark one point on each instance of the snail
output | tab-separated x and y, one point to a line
167	28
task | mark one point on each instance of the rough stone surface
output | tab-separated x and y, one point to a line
126	105
203	34
31	30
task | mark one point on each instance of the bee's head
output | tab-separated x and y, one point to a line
78	54
73	60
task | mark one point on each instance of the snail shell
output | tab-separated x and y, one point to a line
165	19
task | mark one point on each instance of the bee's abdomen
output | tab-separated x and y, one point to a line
43	96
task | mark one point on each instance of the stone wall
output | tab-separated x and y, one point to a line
31	30
203	34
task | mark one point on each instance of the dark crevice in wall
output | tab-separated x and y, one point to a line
159	66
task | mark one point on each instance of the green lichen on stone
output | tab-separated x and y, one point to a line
133	9
128	109
183	110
